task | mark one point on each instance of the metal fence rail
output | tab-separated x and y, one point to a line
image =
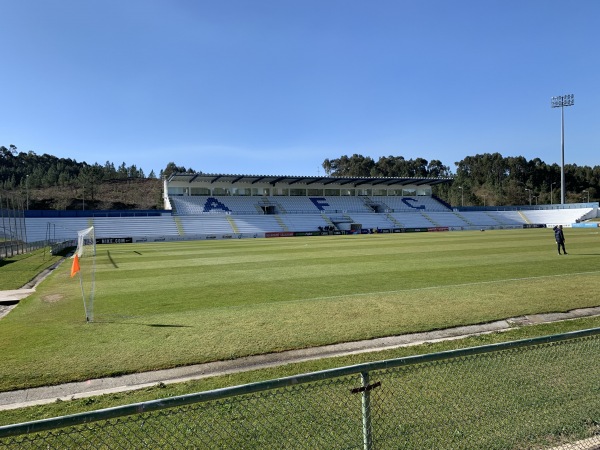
536	393
8	249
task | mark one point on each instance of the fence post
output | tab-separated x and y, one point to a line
366	412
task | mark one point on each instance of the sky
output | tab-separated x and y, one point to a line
275	87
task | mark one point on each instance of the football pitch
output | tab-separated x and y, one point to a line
161	305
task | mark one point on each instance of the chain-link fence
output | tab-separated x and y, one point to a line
8	249
538	393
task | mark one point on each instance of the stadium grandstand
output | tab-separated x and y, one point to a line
221	206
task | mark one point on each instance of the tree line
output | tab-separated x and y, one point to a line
18	169
480	180
21	170
489	179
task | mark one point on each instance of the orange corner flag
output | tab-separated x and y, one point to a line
75	266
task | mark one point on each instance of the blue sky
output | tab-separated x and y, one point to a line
276	86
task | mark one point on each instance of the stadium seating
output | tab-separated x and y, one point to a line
299	205
135	226
446	219
186	205
555	216
412	220
55	228
206	224
480	218
65	228
411	204
371	220
220	215
303	222
340	204
508	217
256	224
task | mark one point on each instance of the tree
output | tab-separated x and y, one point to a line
354	166
436	169
122	171
392	166
109	171
173	168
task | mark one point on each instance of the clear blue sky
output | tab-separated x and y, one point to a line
277	86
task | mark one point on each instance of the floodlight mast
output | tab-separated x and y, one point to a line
560	102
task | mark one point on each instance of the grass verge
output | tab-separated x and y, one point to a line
19	270
62	408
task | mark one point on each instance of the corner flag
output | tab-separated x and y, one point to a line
75	266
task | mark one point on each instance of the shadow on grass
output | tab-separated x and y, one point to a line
4	262
111	259
125	322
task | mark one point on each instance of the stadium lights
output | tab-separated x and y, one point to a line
526	189
560	102
462	196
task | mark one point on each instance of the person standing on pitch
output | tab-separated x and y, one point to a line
560	239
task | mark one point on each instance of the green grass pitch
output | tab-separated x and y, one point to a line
161	305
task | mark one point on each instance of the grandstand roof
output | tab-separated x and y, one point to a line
305	180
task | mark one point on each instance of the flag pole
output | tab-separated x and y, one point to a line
87	319
76	269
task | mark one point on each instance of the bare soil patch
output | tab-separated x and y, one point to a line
52	298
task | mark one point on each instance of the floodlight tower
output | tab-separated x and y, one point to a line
560	102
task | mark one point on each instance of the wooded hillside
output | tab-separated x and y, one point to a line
47	182
486	179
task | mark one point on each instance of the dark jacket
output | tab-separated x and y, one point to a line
558	235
